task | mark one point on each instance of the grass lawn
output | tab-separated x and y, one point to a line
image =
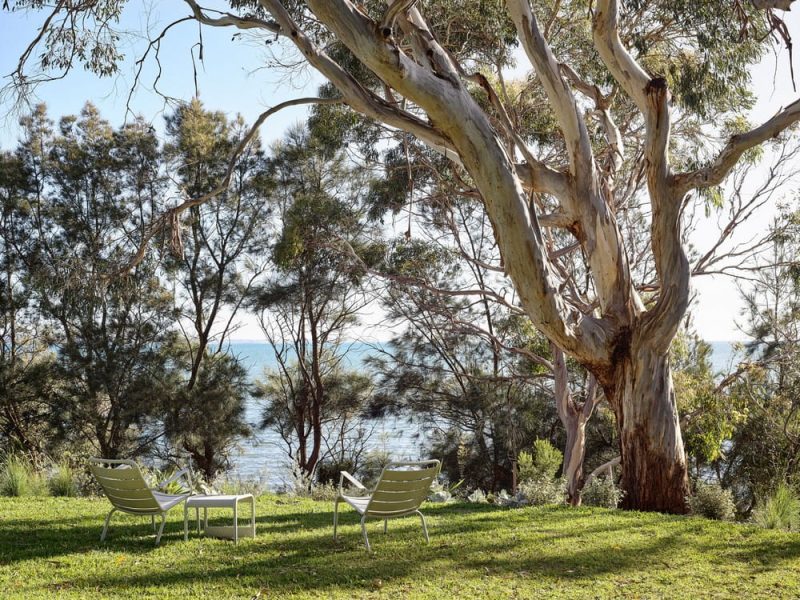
49	548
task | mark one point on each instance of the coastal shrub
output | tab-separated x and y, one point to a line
712	501
779	511
477	497
542	490
62	481
325	491
542	463
328	471
18	478
601	491
239	485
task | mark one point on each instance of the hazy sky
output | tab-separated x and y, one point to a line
232	78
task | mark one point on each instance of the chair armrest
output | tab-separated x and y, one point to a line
185	473
345	475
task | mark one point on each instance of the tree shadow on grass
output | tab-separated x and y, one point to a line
318	564
763	550
473	541
295	552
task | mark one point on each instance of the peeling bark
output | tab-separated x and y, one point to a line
654	467
574	417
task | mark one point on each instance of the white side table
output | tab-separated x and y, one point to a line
220	501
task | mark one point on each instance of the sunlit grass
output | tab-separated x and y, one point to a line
49	547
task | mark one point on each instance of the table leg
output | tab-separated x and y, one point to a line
253	515
205	517
185	522
236	521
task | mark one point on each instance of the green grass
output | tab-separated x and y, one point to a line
49	548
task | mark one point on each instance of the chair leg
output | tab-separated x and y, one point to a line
385	525
105	525
185	522
424	527
364	531
153	522
161	529
335	516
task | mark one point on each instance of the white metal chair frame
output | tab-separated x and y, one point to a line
401	489
125	487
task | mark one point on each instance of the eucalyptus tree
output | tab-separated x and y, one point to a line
469	356
640	67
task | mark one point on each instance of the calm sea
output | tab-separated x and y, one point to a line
264	457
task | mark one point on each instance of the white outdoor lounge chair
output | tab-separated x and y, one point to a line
402	487
126	489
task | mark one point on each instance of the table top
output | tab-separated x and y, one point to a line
217	500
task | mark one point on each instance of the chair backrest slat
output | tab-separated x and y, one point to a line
124	485
402	487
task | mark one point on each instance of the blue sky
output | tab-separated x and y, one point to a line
233	78
230	78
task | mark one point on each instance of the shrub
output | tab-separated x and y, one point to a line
327	471
477	497
325	491
543	463
712	501
779	511
62	481
601	491
18	478
542	490
439	493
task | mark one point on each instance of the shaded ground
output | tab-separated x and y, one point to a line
49	548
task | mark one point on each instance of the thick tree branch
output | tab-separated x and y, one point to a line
353	93
461	119
602	104
625	70
576	136
716	172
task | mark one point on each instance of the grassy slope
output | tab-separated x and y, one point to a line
49	548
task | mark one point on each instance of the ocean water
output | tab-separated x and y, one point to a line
264	457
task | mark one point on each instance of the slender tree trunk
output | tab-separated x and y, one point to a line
574	416
654	467
573	459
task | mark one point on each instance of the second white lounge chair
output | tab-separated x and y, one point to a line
402	487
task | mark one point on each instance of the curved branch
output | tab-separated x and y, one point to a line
716	172
170	217
576	136
353	93
625	70
607	466
231	20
